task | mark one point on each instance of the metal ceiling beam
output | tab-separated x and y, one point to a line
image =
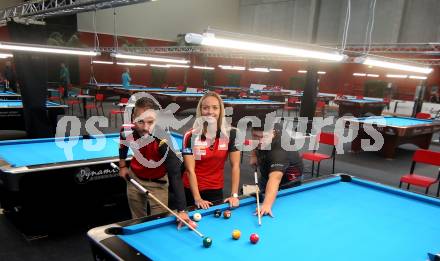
40	9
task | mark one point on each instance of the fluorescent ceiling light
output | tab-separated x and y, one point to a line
132	64
149	58
203	67
46	49
321	72
397	66
211	40
160	65
359	74
397	75
5	55
102	62
178	65
275	70
302	71
259	69
373	75
229	67
418	77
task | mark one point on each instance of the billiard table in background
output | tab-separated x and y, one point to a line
127	92
8	95
229	91
186	100
251	107
12	115
338	218
41	188
396	131
360	107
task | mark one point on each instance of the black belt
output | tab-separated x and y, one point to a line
159	180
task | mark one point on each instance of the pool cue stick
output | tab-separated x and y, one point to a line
144	190
258	196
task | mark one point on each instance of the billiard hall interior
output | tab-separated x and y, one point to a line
348	88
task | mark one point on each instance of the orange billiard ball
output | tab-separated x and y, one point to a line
227	214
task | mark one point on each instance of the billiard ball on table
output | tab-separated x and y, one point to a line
197	217
217	213
207	242
254	238
236	234
227	214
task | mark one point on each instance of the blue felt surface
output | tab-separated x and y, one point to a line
31	152
7	93
333	221
394	121
19	104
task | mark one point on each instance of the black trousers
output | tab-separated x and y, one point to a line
213	195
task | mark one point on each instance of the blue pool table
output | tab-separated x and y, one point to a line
339	218
39	183
11	114
251	107
396	131
230	91
127	92
186	100
360	107
8	95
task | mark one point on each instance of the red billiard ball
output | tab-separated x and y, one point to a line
254	238
227	214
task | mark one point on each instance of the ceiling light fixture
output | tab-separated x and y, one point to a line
150	58
210	39
46	49
397	66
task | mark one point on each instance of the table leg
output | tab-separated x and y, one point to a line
84	102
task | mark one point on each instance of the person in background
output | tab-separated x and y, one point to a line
434	97
278	168
10	77
64	78
126	79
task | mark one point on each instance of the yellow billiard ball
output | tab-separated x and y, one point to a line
236	234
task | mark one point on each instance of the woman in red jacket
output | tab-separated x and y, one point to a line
206	147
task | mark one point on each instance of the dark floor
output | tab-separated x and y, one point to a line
74	246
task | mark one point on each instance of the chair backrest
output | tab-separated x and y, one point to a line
99	97
292	100
123	100
264	97
427	157
327	138
422	115
61	91
180	88
359	97
320	104
218	91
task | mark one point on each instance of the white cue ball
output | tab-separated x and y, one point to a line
197	217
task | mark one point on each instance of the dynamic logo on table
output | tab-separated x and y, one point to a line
86	175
